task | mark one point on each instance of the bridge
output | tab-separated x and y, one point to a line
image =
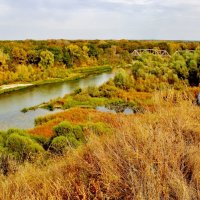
139	52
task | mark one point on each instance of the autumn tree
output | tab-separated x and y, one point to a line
19	55
92	50
4	58
33	57
67	60
46	59
74	52
58	54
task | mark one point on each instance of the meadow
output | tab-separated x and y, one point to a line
82	153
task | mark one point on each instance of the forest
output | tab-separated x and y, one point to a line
81	152
31	60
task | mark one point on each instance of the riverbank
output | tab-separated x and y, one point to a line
6	87
74	74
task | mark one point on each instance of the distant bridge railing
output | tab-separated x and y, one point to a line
139	52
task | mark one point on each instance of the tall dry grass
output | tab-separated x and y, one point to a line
153	156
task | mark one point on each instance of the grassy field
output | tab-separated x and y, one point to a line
81	153
154	155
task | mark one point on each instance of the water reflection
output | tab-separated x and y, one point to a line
127	111
12	103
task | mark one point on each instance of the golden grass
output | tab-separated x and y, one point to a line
150	156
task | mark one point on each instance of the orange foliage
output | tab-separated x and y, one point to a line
80	116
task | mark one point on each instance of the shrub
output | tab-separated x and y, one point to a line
50	107
122	80
63	128
22	146
108	91
72	141
77	90
24	110
78	132
39	139
15	130
73	135
93	91
59	144
81	98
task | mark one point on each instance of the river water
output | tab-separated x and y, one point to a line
12	103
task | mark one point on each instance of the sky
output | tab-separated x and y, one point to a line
100	19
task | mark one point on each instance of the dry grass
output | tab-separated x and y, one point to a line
151	156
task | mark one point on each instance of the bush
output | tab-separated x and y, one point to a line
82	97
39	139
63	128
24	110
73	135
78	132
59	144
93	91
22	147
122	80
72	141
77	91
108	91
50	107
15	130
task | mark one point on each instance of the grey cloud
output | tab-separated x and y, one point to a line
91	19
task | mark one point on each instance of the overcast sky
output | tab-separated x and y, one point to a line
100	19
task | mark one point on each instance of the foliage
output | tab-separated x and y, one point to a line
93	91
66	135
59	144
4	58
63	128
19	55
23	147
41	60
122	80
159	151
77	90
108	90
46	59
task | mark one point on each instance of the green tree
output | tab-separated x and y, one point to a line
74	52
194	73
67	60
93	50
122	80
57	52
46	59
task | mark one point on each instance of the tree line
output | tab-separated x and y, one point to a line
32	60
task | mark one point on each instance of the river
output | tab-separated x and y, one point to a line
12	103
